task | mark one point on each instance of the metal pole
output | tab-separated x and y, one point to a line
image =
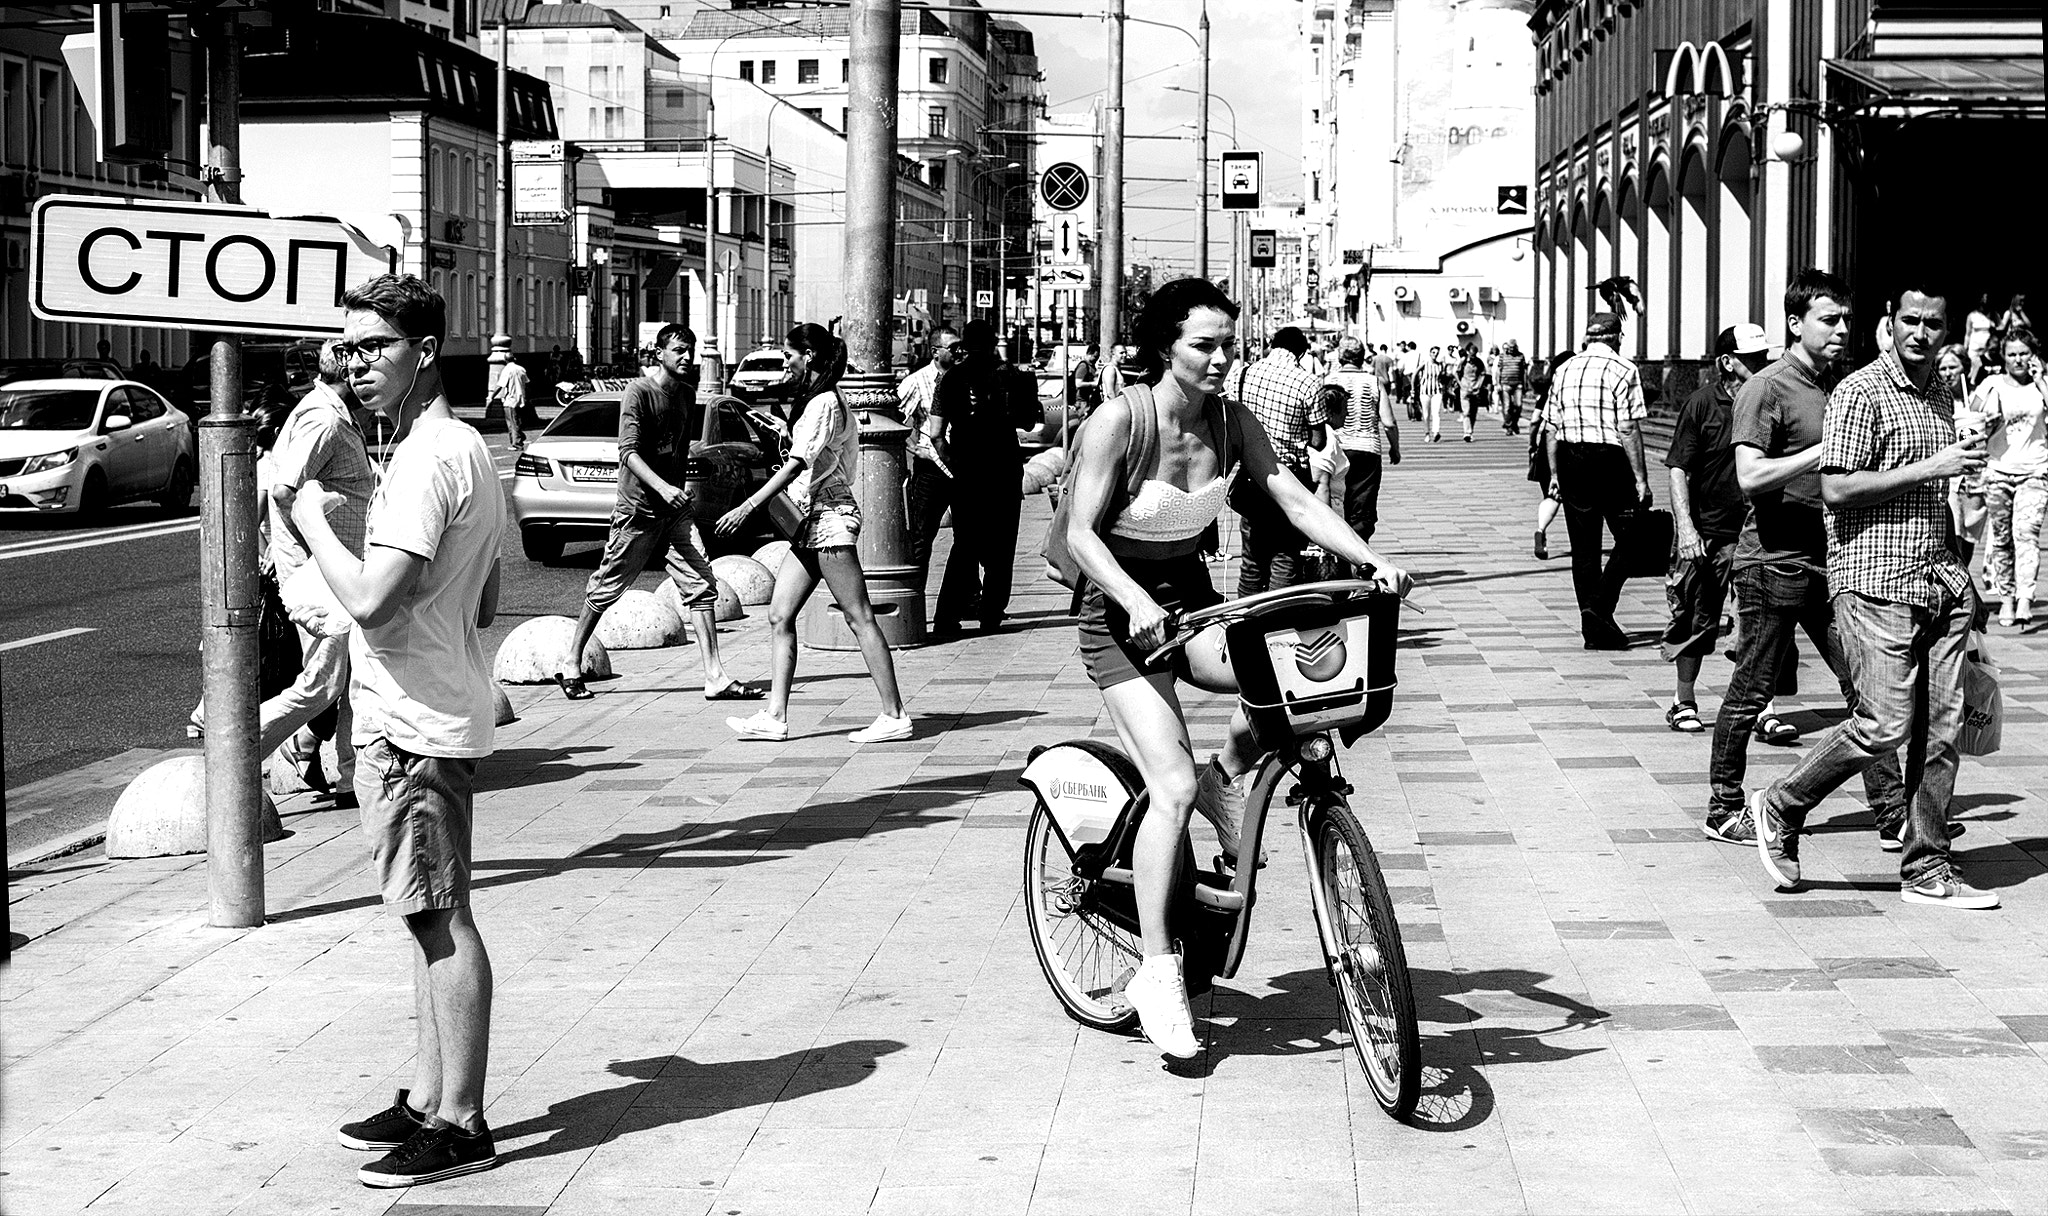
1110	280
895	585
231	604
501	341
1202	159
710	369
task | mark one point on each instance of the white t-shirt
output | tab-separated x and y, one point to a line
420	680
827	439
2020	446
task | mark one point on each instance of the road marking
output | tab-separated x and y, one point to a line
94	534
44	637
38	549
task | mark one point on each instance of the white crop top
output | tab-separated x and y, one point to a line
1162	511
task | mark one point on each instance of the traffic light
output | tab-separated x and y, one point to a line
123	74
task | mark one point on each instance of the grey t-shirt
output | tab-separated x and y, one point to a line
1779	413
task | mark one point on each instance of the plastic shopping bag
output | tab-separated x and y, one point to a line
1983	706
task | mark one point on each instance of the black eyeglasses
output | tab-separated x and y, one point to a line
367	351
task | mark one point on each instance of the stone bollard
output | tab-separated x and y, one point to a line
754	582
162	813
641	620
771	554
501	704
532	653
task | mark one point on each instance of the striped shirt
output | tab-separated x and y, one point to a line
1595	395
1897	550
1360	430
1282	396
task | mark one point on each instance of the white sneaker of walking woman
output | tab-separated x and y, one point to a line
884	729
762	725
1161	999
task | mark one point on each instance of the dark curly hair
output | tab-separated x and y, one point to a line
1159	320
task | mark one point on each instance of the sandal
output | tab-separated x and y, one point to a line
572	686
1684	717
737	690
1776	731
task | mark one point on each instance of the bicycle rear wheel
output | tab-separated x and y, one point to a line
1087	957
1367	962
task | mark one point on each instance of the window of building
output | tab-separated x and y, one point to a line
615	122
14	113
845	70
813	112
935	173
935	122
746	69
767	71
939	69
600	81
807	71
50	125
842	118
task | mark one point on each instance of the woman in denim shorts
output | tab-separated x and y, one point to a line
824	442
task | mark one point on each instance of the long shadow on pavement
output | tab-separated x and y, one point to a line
676	1089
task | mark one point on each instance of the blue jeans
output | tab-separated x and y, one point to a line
1907	664
1776	601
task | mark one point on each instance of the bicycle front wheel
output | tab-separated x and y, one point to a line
1087	957
1367	962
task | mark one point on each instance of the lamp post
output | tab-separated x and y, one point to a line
974	176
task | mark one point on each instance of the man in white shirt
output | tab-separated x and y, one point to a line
509	390
930	488
427	581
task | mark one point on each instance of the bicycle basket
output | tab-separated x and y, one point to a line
1315	668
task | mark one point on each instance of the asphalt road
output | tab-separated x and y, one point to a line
99	634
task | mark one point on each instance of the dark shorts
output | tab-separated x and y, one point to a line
1696	590
1177	584
417	812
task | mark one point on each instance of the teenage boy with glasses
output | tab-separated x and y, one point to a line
424	716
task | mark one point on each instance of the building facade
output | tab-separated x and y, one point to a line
1705	150
1417	138
48	146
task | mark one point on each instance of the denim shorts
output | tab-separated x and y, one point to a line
830	525
418	812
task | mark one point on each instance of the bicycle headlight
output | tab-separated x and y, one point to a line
48	461
1317	748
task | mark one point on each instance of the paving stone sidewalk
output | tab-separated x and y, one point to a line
750	978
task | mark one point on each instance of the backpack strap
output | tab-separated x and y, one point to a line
1142	450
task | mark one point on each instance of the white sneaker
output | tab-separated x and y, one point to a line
1161	1000
763	725
1221	801
884	729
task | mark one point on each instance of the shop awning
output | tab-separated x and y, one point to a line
1946	81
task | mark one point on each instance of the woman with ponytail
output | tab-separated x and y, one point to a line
824	443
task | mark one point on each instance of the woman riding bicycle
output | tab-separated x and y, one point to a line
1142	562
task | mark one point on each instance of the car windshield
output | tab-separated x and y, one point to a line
47	409
590	418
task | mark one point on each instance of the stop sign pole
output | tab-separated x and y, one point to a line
230	604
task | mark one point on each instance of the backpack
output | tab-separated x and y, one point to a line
1141	449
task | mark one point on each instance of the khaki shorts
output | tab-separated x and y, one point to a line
638	539
417	812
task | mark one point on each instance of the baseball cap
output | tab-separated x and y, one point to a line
1602	323
1742	339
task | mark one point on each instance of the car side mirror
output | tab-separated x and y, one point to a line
117	422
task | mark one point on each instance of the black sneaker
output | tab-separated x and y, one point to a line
1891	837
435	1152
385	1130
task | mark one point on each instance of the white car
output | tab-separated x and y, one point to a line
762	376
78	446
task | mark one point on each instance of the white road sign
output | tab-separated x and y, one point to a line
1065	278
209	266
540	183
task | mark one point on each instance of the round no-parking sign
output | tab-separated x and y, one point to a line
1063	186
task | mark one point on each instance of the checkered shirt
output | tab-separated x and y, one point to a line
1361	429
1595	395
321	442
1900	549
1281	394
915	396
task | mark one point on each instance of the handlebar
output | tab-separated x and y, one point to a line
1184	627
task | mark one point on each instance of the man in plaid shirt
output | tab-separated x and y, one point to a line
1903	605
1284	397
1596	468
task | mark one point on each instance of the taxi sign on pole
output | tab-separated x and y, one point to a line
1241	176
1265	242
213	266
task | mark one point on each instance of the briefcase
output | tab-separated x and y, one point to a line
1648	545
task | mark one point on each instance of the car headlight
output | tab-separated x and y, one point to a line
48	461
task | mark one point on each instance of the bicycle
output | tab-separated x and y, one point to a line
1311	661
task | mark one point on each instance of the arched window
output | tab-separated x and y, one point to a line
1660	287
1734	228
1695	303
1628	249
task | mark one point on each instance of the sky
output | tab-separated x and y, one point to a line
1252	70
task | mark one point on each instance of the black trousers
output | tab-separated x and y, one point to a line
1598	487
925	498
985	513
1362	493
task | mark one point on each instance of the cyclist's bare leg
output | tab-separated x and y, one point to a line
1209	670
1148	719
